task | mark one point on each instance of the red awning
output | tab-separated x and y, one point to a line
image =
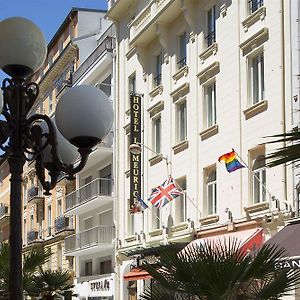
250	239
136	274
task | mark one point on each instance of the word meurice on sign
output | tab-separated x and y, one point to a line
100	286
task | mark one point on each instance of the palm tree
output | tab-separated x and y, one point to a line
289	153
36	282
220	271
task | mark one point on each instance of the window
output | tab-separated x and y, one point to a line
25	194
132	82
59	208
59	257
181	118
182	51
25	232
31	222
254	5
128	151
210	117
211	191
257	80
211	26
105	86
156	134
50	102
259	179
130	222
180	202
88	268
105	267
49	219
105	180
156	217
158	69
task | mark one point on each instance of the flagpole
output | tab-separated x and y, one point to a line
264	186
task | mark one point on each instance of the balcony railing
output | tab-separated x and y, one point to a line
210	38
3	211
34	192
157	80
181	63
97	187
88	238
106	45
62	223
32	236
254	5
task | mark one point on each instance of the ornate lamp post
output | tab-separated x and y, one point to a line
84	116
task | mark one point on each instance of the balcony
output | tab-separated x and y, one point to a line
35	195
118	8
90	241
33	237
63	226
90	196
4	216
143	27
107	45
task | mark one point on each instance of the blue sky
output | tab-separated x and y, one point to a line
47	14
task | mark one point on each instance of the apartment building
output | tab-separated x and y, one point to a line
92	202
210	76
44	222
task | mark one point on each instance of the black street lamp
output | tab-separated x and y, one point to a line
84	116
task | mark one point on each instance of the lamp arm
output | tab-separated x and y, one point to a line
157	153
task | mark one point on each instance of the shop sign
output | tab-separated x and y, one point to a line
292	263
101	287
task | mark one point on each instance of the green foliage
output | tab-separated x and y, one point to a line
287	154
36	282
220	271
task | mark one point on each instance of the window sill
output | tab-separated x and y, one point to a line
256	207
211	50
180	227
180	73
156	232
130	238
255	109
210	219
155	160
157	90
209	132
259	14
180	146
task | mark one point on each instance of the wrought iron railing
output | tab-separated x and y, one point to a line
90	237
33	192
3	210
254	5
32	236
181	63
210	38
157	80
97	187
62	223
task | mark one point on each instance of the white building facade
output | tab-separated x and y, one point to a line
213	76
92	202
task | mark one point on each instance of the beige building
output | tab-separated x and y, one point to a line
44	222
213	75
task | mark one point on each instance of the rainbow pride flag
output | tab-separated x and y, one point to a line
231	161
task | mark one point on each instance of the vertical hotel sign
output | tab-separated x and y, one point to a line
135	138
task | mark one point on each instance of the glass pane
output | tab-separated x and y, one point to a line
256	187
157	134
182	121
263	179
182	47
262	77
210	199
255	81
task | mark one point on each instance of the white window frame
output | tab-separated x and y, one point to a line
156	218
157	80
130	220
181	126
259	193
256	77
211	26
211	185
210	101
182	50
181	203
156	134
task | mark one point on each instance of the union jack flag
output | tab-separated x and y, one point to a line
164	193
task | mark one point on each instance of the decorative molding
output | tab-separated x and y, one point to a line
209	72
155	159
128	112
209	132
157	90
223	10
180	227
131	238
256	207
180	146
163	35
180	73
259	14
142	56
130	52
156	108
180	91
127	128
255	40
211	50
127	173
188	11
192	37
156	232
255	109
210	219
